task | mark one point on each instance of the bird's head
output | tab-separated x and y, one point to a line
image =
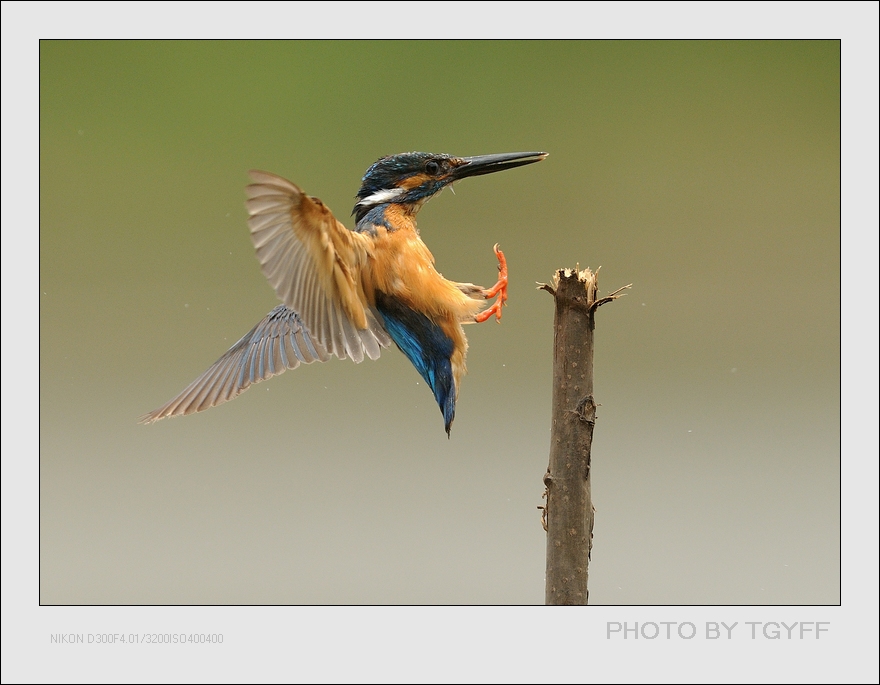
412	178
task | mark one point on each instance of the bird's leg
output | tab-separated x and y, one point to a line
499	289
475	292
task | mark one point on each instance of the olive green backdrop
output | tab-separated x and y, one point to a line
705	173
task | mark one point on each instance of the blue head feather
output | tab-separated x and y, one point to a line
389	173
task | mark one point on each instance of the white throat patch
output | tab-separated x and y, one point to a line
381	196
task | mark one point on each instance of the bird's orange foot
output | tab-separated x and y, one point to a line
499	289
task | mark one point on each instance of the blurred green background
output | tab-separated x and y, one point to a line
705	173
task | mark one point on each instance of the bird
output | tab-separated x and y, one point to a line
349	293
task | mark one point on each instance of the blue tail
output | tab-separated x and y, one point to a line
426	346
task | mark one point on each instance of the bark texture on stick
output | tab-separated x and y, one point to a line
568	511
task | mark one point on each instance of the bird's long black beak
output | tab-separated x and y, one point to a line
489	164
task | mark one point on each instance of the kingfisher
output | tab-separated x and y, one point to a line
349	293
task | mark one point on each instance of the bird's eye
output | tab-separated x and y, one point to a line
432	168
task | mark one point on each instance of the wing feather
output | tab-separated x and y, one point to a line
317	268
315	265
279	342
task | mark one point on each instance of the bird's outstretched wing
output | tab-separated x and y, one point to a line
315	265
279	342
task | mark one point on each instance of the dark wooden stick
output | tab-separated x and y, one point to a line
568	513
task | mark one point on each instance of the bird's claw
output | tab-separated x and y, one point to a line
499	289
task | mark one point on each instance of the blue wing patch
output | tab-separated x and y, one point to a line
426	346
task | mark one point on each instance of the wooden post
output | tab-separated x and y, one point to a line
568	512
